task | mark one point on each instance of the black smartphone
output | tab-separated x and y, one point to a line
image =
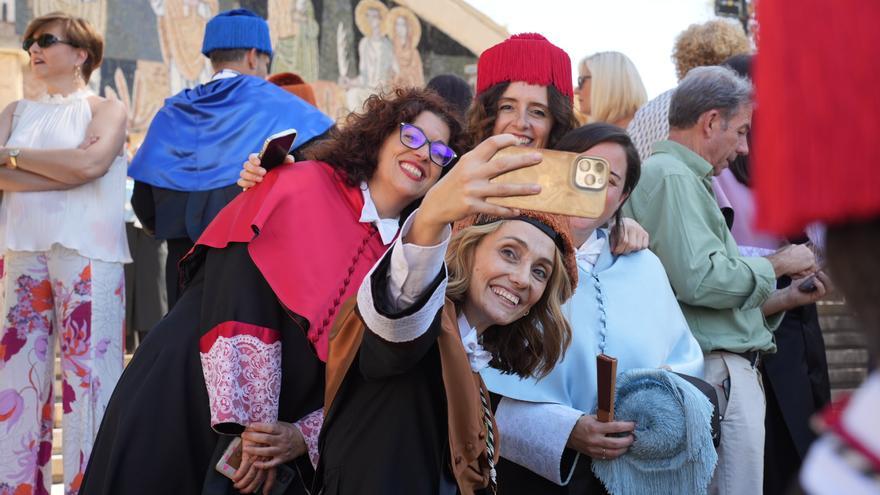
276	148
808	285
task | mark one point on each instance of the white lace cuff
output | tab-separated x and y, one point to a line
535	435
310	427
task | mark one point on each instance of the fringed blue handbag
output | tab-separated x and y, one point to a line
673	450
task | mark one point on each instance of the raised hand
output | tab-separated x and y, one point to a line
464	190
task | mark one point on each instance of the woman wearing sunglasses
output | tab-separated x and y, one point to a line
62	237
243	351
407	411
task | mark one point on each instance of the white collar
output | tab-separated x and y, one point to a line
387	227
225	74
589	252
477	356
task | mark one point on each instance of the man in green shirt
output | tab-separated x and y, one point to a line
730	301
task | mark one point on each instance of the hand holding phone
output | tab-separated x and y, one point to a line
276	148
571	184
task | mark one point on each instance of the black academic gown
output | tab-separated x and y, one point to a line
797	386
156	435
386	431
403	417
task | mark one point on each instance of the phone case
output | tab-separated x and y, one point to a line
231	458
276	148
571	183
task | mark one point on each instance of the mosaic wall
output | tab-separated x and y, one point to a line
347	49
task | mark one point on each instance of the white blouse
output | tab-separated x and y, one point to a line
87	218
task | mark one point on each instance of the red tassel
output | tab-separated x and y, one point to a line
526	57
816	132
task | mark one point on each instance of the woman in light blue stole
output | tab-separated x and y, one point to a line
623	307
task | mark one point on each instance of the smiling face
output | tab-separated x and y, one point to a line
727	139
511	269
523	110
58	60
403	175
614	153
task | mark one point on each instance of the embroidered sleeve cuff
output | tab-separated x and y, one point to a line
413	267
535	435
310	427
242	368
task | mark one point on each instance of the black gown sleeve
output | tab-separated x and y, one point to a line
380	358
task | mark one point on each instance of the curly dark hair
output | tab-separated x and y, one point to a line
484	110
352	148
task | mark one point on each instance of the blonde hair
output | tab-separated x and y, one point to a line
531	345
710	43
78	32
617	90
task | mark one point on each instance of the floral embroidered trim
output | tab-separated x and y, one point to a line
242	368
310	427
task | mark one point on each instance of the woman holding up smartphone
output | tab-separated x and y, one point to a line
406	409
534	101
243	350
623	306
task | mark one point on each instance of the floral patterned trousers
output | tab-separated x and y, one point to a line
44	295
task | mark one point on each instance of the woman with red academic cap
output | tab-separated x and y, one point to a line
524	88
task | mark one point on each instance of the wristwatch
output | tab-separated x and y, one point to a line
13	153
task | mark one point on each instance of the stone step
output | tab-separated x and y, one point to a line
833	306
847	357
846	377
57	469
57	440
844	339
836	323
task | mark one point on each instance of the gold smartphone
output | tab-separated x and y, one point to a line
571	183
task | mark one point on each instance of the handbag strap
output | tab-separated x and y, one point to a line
709	391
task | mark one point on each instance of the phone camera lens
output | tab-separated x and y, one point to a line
590	179
600	167
584	165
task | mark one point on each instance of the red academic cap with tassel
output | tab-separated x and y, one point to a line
818	88
526	57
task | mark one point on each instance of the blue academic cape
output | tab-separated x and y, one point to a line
645	329
201	136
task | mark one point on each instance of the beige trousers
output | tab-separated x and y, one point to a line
740	469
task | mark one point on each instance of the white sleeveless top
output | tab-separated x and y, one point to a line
87	218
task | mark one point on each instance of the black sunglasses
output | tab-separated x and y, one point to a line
414	138
45	41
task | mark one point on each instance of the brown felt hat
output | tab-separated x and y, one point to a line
294	84
555	226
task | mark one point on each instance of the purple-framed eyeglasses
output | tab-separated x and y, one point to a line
414	138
